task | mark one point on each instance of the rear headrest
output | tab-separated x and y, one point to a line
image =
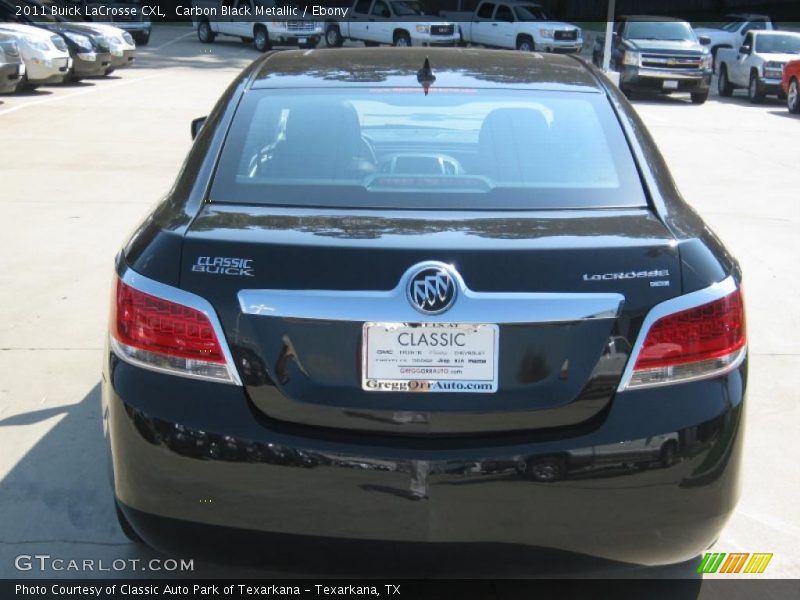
512	143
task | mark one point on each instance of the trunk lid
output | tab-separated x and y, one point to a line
553	370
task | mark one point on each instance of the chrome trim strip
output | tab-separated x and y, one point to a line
393	306
173	294
668	307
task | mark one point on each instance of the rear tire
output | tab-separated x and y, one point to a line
545	470
668	454
754	90
126	527
402	40
261	39
724	87
699	97
25	85
525	44
333	36
204	33
793	97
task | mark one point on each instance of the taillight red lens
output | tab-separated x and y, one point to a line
156	325
702	333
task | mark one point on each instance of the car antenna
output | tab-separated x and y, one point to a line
425	76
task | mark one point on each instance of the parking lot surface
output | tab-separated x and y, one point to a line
81	164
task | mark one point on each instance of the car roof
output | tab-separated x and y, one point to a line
748	16
650	18
399	67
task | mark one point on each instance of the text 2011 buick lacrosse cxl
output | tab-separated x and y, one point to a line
436	296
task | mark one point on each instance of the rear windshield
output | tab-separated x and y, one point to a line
450	149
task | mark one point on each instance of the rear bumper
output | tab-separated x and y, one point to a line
197	453
126	60
92	68
48	71
646	79
10	76
563	46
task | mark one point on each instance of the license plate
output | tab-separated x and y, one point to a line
21	69
302	40
670	85
428	357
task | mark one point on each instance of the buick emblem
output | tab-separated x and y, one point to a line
431	290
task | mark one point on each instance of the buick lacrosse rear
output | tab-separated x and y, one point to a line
429	296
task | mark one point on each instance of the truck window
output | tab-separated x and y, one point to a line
504	14
362	6
529	13
408	8
785	43
486	10
381	9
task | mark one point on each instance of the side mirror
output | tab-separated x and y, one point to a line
704	40
197	125
744	50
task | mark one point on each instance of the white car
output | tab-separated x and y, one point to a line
521	26
758	64
44	53
730	33
395	22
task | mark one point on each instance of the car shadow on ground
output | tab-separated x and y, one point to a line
57	500
37	93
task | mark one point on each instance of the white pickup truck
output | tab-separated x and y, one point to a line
395	22
242	19
519	25
730	32
757	64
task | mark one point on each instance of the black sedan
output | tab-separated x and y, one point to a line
412	296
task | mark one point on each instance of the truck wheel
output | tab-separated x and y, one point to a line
793	97
724	87
699	97
525	44
261	38
668	454
204	33
754	91
333	36
401	39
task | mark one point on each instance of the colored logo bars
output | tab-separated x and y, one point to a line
741	562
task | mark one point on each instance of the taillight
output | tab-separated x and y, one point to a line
698	342
165	335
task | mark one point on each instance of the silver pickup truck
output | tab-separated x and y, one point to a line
262	22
